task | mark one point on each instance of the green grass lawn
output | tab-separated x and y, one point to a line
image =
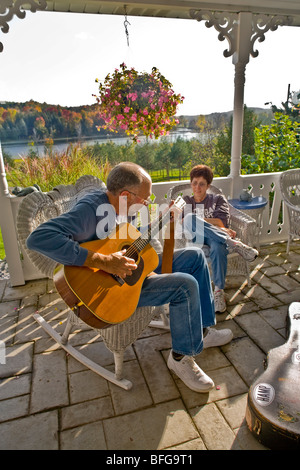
161	175
2	252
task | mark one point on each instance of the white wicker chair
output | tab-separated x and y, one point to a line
243	224
37	208
290	191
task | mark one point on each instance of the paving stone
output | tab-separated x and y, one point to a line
51	299
214	430
14	408
27	328
211	359
86	412
7	329
195	444
231	325
86	385
18	360
273	270
287	282
270	284
295	275
21	292
9	308
246	357
290	296
137	397
36	432
49	383
276	258
3	283
227	383
158	427
14	386
98	353
262	298
260	331
234	409
88	437
276	316
234	296
242	308
156	372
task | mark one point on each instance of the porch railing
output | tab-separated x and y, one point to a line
274	226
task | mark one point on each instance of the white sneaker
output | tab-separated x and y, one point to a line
215	337
190	374
220	302
247	252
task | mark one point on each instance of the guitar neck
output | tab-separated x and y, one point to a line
153	229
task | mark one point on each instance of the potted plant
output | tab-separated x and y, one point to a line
138	103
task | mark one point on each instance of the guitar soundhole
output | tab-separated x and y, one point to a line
131	252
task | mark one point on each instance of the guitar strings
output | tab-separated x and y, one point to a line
140	243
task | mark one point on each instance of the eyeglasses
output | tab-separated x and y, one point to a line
202	185
146	202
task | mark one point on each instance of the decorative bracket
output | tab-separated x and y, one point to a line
10	8
227	24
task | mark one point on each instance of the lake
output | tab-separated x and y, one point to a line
21	149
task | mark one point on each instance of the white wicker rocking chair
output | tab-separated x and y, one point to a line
290	192
38	207
243	224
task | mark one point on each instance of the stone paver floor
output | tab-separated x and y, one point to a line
50	401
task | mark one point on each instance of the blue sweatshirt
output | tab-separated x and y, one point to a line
92	217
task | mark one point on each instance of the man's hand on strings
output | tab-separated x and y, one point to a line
115	263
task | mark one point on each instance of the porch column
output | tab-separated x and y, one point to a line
8	229
240	59
241	30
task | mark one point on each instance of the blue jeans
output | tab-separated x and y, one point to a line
188	291
203	233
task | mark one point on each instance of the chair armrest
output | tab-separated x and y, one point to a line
176	190
243	224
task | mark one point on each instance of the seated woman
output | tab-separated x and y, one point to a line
206	219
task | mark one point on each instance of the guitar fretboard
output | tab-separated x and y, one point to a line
153	229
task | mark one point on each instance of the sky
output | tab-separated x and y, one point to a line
56	57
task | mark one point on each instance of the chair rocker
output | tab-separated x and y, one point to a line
38	207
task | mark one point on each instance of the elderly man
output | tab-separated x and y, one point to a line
187	289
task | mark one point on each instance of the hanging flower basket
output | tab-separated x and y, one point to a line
138	103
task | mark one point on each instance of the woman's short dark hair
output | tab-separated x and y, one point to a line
204	171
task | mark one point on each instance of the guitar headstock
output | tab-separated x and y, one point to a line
179	203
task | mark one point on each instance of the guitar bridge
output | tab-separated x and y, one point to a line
118	279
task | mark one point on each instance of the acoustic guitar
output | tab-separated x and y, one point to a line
273	408
101	299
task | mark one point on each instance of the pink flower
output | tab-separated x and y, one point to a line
133	117
126	109
120	117
133	96
117	103
145	112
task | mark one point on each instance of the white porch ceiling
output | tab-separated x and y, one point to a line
176	8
